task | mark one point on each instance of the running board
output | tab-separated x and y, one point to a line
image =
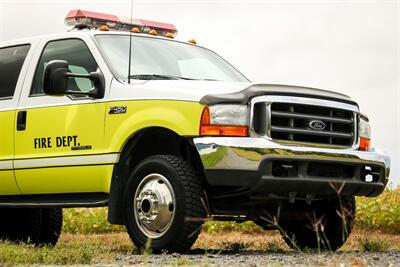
75	200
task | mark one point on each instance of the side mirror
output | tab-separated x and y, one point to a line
56	75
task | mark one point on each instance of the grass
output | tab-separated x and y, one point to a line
71	249
62	254
374	245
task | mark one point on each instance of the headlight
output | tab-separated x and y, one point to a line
364	130
228	115
224	120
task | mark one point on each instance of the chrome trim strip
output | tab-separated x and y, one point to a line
246	153
66	161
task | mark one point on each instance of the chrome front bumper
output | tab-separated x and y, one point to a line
246	162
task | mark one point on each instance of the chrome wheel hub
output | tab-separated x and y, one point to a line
154	205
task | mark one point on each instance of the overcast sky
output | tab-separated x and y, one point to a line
351	47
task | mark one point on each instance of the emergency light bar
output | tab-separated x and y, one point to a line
81	19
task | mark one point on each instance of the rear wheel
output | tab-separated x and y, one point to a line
163	204
326	226
41	226
52	220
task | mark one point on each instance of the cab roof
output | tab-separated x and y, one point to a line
77	33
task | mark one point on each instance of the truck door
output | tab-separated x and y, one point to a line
59	145
11	63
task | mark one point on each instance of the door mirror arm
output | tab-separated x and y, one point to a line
56	75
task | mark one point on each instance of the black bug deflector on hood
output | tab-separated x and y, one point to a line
243	96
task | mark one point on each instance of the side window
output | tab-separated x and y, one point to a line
79	58
11	61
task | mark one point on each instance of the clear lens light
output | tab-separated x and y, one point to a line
364	129
228	115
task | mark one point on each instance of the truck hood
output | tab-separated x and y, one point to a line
214	92
243	96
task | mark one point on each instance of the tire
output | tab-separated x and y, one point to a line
37	226
263	224
21	224
52	220
174	229
299	234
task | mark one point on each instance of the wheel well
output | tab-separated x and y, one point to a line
148	142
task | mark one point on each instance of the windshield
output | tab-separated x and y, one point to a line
164	59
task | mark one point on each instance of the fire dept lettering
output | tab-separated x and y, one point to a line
58	141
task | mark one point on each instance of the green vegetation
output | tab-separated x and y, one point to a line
213	227
380	213
374	245
274	247
88	221
29	254
71	249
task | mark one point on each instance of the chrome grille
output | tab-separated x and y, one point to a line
300	121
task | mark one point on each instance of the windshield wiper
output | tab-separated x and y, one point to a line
157	77
212	80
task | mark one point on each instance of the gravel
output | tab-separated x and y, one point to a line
388	258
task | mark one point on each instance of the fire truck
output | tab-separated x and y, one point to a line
117	113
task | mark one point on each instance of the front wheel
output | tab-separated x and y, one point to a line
163	206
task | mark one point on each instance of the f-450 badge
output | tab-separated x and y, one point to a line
117	110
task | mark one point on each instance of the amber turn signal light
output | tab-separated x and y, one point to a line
365	144
218	130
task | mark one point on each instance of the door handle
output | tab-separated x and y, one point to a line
21	120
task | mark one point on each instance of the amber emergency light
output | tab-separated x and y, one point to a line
135	30
169	35
153	32
104	28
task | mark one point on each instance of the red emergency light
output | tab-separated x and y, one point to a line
82	19
81	14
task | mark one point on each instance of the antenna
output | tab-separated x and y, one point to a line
130	48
